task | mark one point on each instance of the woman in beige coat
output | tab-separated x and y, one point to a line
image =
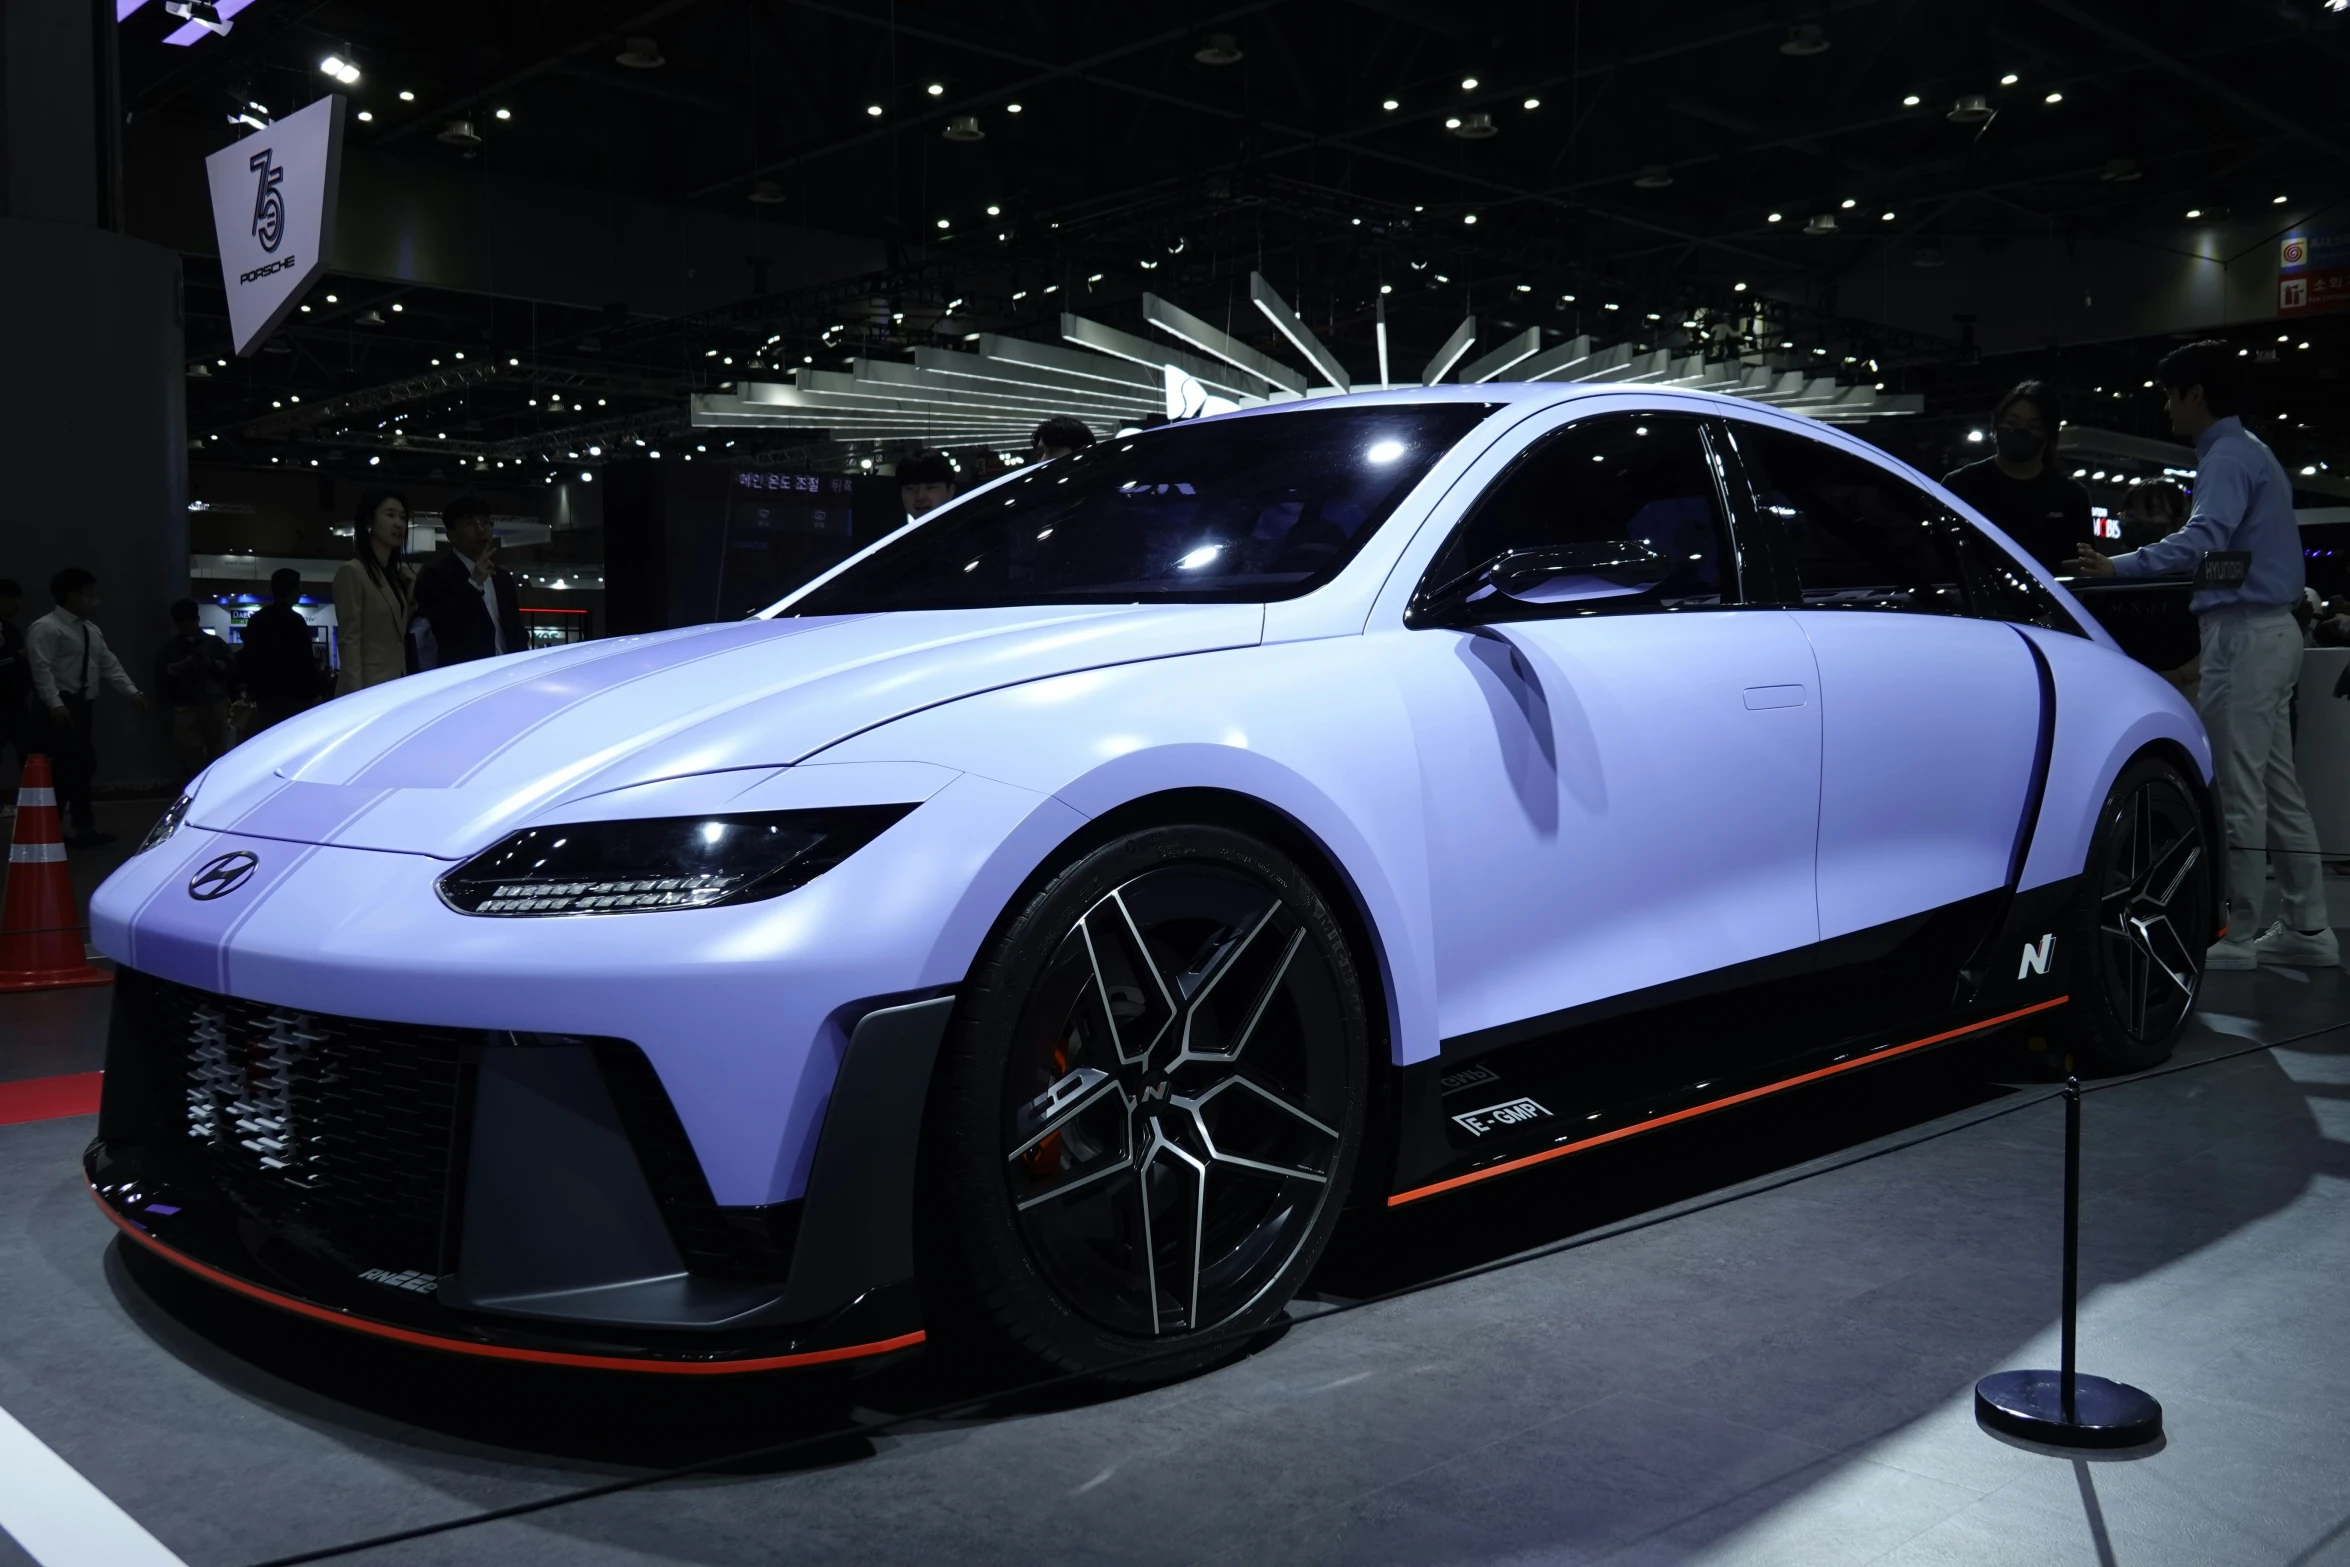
375	594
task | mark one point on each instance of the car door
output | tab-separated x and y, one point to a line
1619	758
1932	712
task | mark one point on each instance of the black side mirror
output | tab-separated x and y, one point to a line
1534	580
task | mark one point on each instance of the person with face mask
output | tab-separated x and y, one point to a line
2019	488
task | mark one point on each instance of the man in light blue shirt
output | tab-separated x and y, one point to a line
2251	659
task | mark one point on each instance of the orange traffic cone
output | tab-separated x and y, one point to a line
40	939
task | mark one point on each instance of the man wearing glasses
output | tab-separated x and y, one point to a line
2019	487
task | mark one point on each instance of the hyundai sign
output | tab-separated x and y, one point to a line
273	212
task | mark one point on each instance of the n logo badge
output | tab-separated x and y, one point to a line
2036	957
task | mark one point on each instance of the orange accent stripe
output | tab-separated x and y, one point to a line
1621	1132
544	1357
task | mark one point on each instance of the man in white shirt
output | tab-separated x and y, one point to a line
69	659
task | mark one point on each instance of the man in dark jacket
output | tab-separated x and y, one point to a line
16	687
2020	487
472	605
275	664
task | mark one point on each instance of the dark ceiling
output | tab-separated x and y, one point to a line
1650	158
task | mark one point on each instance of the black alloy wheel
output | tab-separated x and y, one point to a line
2143	919
1143	1130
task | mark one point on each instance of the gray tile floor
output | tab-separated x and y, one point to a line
1742	1342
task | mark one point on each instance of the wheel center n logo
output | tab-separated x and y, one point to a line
222	875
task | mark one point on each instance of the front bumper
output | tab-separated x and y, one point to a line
517	1196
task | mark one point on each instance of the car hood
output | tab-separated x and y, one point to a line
447	762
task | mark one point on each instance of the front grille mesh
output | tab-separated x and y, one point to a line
335	1131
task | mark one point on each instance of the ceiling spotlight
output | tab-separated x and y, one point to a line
1468	84
1611	305
1885	217
641	54
1525	288
1847	204
2276	201
936	89
1805	38
766	193
505	114
1654	177
1776	217
365	117
1218	49
1474	126
2054	97
340	69
1910	102
1738	288
964	127
1011	108
2009	80
1970	109
2194	212
1390	105
1533	103
406	96
942	223
397	307
1468	217
873	109
457	133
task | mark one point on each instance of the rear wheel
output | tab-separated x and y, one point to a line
2142	920
1144	1124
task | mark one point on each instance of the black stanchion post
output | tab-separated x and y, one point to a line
2064	1408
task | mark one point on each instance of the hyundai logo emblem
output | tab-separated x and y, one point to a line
222	876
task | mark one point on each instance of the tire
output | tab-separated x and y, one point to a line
1147	1112
2140	924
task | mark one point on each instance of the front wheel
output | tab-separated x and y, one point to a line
1145	1120
2141	921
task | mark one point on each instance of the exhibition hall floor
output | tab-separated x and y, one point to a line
1749	1340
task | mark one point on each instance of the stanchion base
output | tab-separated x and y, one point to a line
2030	1405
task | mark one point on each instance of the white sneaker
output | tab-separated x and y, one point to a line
2281	946
2236	952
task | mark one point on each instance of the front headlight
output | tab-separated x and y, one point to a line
166	824
670	862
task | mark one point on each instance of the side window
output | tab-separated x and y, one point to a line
1631	486
2003	590
1854	536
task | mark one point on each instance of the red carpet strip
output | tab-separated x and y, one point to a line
48	1098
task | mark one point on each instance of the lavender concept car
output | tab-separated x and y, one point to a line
1037	929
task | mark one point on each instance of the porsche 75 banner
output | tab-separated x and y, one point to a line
273	212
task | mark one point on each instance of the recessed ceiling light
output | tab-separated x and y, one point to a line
1468	84
942	223
1886	216
365	117
505	114
2054	97
2276	201
2009	80
2194	212
1910	102
994	211
1468	217
936	90
1390	105
406	96
1775	217
1011	108
873	109
1738	288
1533	103
1848	203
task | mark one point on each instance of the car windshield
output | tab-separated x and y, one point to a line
1226	511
